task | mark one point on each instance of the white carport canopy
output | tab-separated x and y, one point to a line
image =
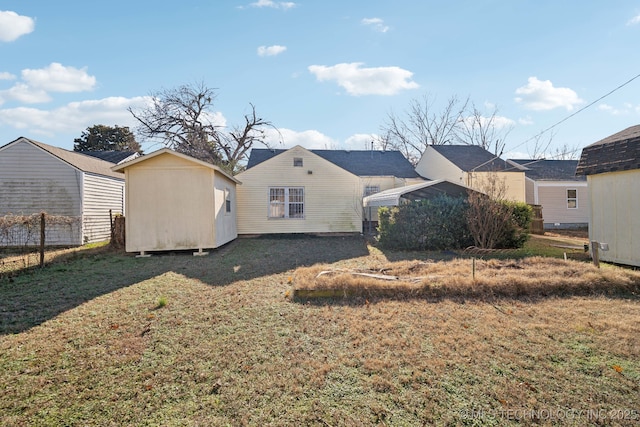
423	190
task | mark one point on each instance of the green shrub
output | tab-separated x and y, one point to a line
516	231
445	222
435	224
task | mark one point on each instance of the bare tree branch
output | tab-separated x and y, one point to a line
541	143
183	119
483	130
422	126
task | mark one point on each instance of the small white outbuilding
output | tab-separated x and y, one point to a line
176	202
612	168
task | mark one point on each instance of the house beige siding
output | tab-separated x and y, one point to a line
226	228
553	198
615	219
33	181
514	183
332	196
100	194
433	165
169	204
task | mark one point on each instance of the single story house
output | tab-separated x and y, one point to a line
554	185
474	167
612	168
36	177
177	202
315	191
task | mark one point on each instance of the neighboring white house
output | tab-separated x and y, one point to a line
36	177
177	202
554	185
472	166
315	191
612	167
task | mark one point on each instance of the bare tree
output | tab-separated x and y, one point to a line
541	144
382	142
483	130
183	119
487	216
422	126
566	153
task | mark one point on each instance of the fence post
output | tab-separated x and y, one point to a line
112	225
42	234
595	255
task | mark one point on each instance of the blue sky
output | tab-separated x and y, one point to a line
326	73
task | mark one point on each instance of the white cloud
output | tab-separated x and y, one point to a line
58	78
73	117
360	141
309	139
540	95
23	93
497	122
633	21
271	50
273	4
526	121
376	23
7	76
627	109
12	26
365	81
36	84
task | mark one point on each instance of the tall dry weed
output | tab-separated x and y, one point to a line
528	277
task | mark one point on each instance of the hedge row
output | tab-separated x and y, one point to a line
442	223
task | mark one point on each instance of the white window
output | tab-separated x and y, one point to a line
286	202
371	189
572	198
297	162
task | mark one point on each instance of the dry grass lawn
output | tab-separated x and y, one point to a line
108	339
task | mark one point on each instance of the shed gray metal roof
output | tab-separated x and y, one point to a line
550	170
358	162
618	152
422	190
471	158
79	161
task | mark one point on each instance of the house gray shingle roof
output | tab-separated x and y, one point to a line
358	162
471	158
615	153
550	170
111	156
80	161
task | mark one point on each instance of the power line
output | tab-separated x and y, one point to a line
578	111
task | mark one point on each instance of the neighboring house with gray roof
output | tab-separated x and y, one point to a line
36	177
612	168
315	191
554	185
471	166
